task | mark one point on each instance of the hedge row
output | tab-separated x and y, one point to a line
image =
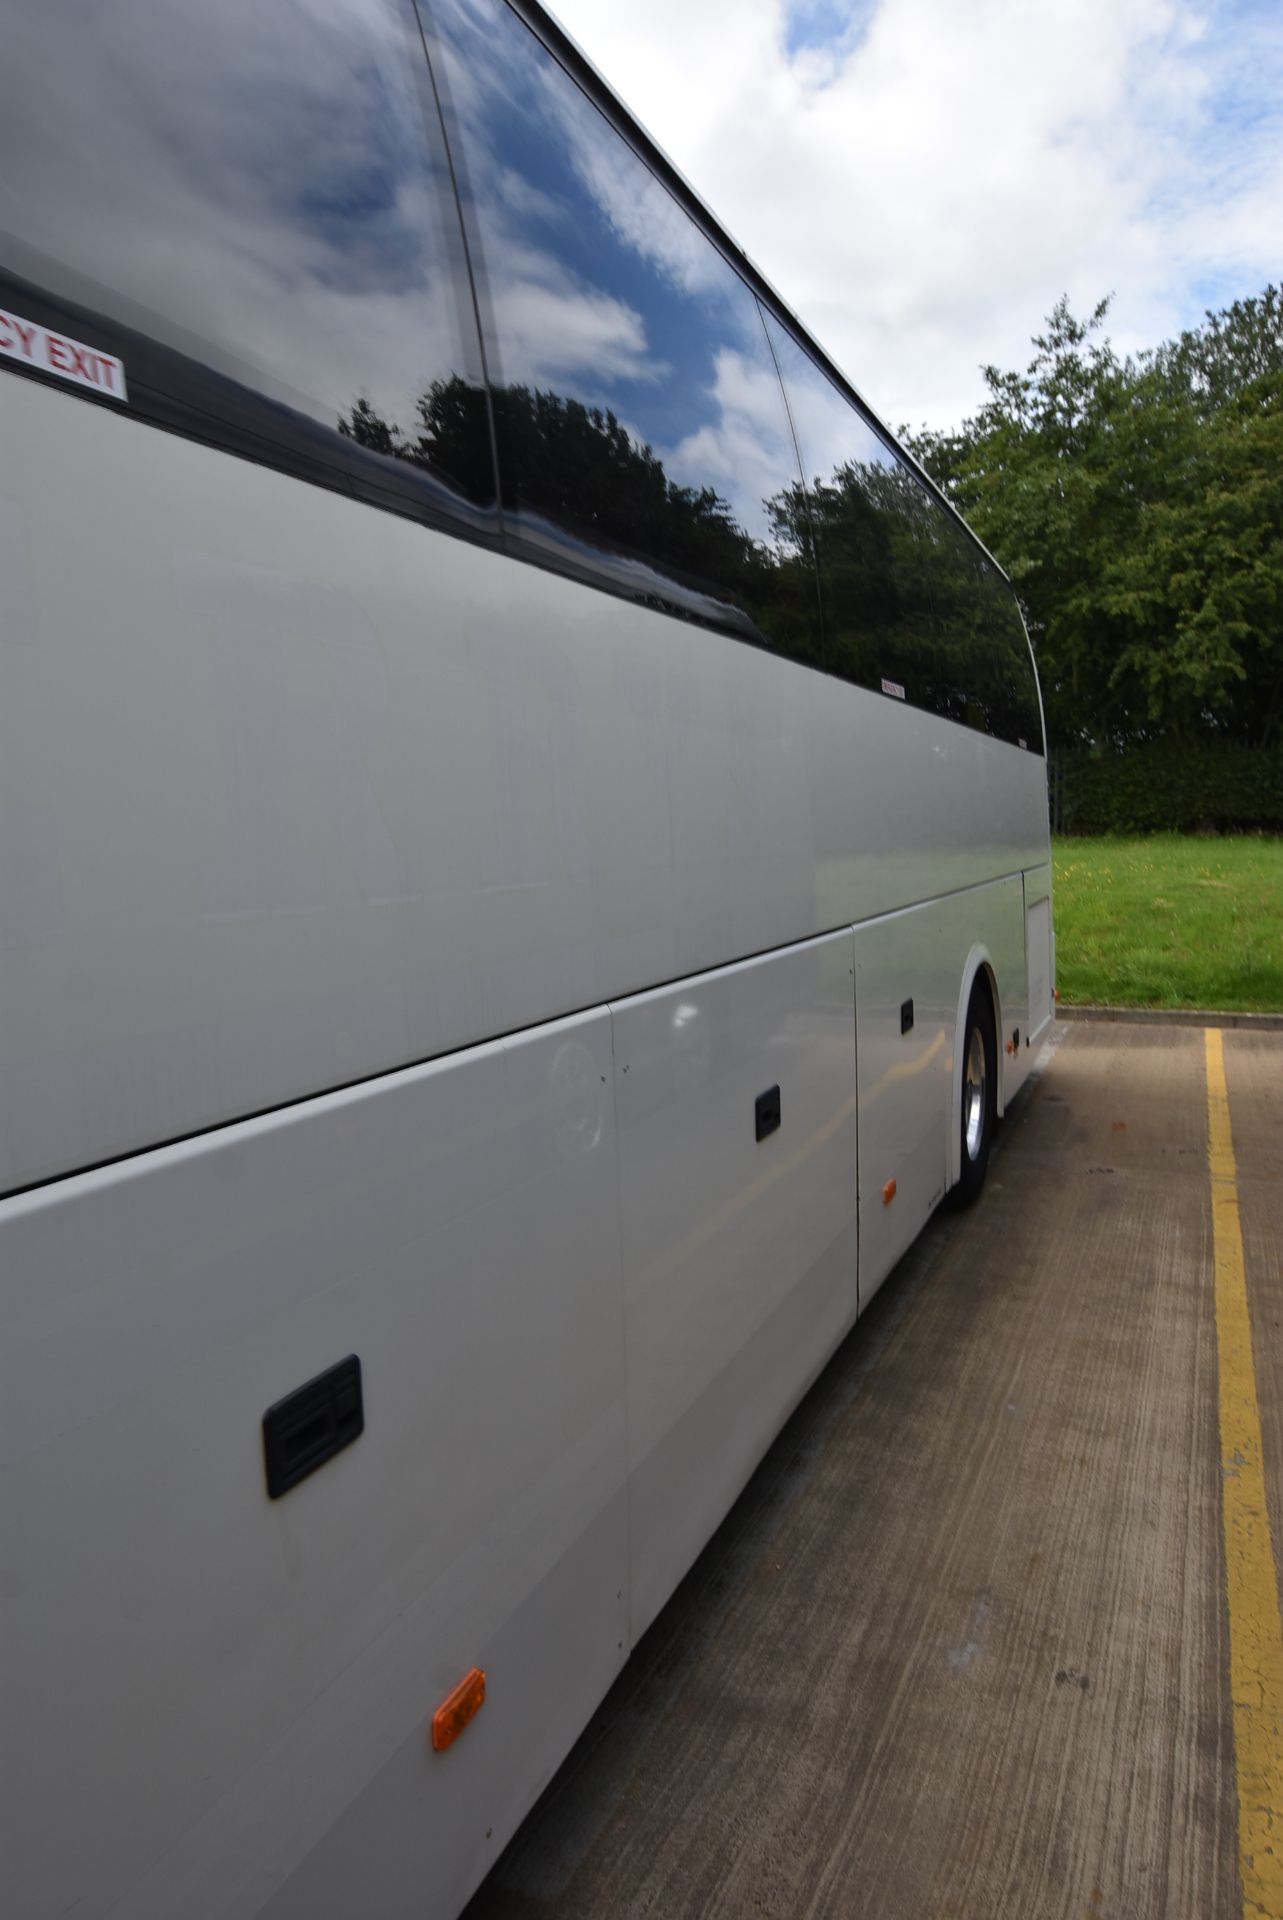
1161	787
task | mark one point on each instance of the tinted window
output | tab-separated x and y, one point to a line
261	191
979	633
908	598
641	425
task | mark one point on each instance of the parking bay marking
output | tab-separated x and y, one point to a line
1251	1580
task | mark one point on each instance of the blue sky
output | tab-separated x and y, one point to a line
921	180
812	24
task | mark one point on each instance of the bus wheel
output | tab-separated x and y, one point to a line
979	1094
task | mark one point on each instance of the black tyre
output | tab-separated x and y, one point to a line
979	1094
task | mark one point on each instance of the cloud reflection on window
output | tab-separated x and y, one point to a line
605	303
262	194
253	185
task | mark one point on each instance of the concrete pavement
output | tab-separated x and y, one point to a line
962	1647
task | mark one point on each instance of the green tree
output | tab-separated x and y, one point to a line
1230	352
1138	505
576	467
907	597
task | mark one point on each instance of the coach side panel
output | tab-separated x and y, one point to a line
298	792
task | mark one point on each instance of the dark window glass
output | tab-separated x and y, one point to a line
641	427
909	601
256	196
983	674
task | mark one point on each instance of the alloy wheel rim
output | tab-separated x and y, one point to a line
973	1094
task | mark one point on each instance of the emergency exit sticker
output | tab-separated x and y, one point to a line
55	353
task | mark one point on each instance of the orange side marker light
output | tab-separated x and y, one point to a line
458	1708
888	1193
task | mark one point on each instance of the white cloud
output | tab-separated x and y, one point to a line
828	437
922	191
641	212
744	451
551	332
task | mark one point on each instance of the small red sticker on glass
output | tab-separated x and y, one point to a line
55	353
894	688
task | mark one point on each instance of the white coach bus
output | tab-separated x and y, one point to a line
524	880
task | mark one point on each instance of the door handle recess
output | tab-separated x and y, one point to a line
312	1424
766	1112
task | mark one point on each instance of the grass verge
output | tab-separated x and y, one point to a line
1170	920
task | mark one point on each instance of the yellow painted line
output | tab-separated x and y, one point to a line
1251	1579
